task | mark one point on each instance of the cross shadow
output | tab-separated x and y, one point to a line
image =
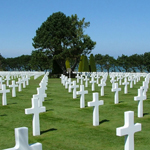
121	101
49	110
11	103
3	115
145	114
105	120
52	129
48	100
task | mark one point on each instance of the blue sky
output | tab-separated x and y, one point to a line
118	26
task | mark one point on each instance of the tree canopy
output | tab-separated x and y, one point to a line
63	37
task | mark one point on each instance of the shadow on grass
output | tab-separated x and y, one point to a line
105	120
145	114
52	129
12	103
121	101
49	110
3	115
49	99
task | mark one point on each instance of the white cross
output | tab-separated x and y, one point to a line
93	83
102	86
21	138
7	80
131	82
40	95
116	90
120	79
128	130
23	81
95	103
140	99
81	79
74	86
86	81
62	77
125	85
82	93
97	78
35	110
19	82
27	79
145	87
13	88
78	77
65	80
4	91
1	82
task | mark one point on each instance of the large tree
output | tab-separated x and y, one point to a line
64	38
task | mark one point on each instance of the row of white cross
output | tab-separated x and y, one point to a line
21	134
129	128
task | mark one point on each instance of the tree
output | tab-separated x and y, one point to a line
147	61
124	62
92	63
80	69
85	64
100	62
63	37
40	61
67	64
109	62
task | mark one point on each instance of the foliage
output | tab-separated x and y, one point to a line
92	63
85	64
67	64
80	69
147	61
40	61
20	63
63	37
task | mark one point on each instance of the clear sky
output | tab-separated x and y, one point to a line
118	26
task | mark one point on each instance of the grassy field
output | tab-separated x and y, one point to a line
64	126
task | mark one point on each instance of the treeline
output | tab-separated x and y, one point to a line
39	61
124	63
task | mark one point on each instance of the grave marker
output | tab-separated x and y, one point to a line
74	86
82	93
13	86
4	91
35	110
116	90
140	98
95	103
21	138
128	130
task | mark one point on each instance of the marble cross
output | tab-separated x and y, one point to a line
19	82
140	98
82	93
13	86
74	87
95	103
116	89
35	110
21	138
4	91
125	83
86	81
102	86
93	83
128	130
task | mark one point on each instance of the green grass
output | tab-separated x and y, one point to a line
64	126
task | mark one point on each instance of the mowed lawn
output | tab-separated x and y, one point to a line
64	126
